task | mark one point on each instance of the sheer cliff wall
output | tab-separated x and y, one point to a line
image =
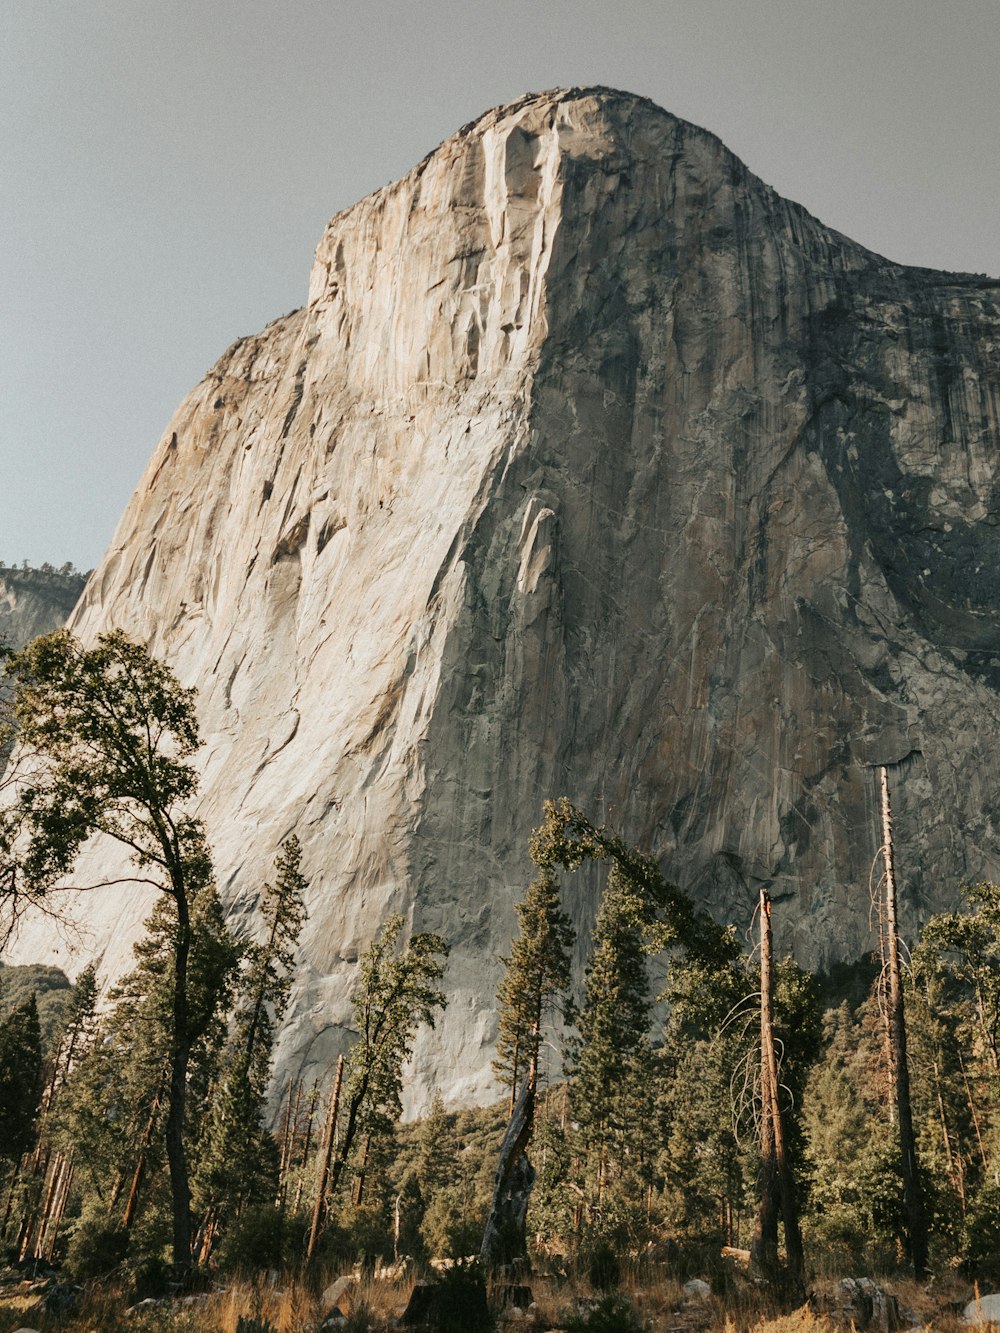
592	467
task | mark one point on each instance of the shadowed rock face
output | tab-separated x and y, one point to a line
591	467
35	601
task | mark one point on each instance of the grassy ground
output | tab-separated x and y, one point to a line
658	1304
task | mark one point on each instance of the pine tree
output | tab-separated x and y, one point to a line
397	991
113	1109
20	1080
536	976
79	1025
612	1092
238	1164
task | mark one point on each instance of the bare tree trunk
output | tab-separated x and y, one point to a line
306	1144
359	1188
60	1208
777	1182
180	1188
764	1246
913	1199
319	1207
140	1166
504	1238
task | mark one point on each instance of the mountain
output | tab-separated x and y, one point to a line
591	467
36	601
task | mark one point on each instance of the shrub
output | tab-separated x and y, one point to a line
255	1240
611	1314
96	1248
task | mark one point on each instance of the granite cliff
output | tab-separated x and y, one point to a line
591	467
36	601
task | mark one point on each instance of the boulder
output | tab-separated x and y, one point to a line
868	1305
697	1289
984	1309
340	1294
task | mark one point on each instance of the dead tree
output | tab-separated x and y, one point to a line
913	1197
777	1184
504	1238
326	1157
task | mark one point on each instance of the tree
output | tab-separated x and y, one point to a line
105	736
20	1080
612	1093
396	992
536	975
777	1184
79	1025
913	1191
239	1162
661	917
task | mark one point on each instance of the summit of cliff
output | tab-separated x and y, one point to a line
591	467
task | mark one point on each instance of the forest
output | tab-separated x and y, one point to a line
720	1149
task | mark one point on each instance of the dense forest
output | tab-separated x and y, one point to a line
777	1128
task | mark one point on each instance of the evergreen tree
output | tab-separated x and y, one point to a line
396	992
113	1108
105	738
79	1024
20	1080
612	1091
536	976
238	1163
437	1148
851	1168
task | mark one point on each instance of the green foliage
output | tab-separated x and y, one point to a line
20	1079
53	994
611	1063
610	1314
536	976
105	736
238	1157
452	1225
112	1110
256	1240
851	1162
96	1247
396	992
707	1171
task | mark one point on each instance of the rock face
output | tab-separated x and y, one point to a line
592	467
35	601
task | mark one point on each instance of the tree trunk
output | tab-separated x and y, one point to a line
180	1189
319	1207
504	1238
764	1246
777	1181
140	1166
306	1144
913	1199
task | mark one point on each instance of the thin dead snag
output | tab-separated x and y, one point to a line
504	1238
776	1183
913	1198
329	1139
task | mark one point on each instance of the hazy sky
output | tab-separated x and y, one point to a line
167	166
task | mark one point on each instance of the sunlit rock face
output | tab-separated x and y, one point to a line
592	467
35	601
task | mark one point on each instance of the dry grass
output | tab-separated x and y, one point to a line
659	1302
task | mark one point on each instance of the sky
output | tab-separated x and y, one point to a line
167	168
